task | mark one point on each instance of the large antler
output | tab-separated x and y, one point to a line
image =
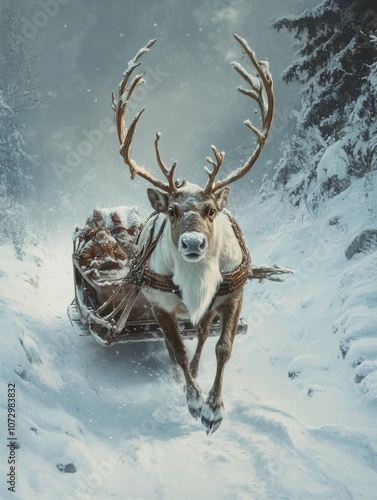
126	135
262	92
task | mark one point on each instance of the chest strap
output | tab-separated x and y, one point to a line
230	283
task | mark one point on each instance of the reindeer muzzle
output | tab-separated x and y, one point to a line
192	245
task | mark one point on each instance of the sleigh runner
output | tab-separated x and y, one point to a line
134	323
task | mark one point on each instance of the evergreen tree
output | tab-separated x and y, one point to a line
19	93
336	67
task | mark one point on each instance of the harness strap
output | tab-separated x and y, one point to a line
231	281
234	280
139	265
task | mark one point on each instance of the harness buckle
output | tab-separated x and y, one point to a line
147	281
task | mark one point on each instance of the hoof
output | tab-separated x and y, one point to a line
212	417
195	412
195	403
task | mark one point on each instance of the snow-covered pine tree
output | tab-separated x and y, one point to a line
334	152
19	93
337	69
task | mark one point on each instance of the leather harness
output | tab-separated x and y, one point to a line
141	275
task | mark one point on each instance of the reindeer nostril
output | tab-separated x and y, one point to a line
192	245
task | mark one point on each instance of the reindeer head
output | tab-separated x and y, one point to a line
191	213
191	210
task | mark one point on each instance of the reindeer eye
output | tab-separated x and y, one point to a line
211	213
171	213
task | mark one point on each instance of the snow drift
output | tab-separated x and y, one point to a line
300	389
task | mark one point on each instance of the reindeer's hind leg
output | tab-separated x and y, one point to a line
178	353
212	411
202	332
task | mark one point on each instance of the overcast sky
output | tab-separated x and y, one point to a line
190	95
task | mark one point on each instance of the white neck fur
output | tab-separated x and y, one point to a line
198	281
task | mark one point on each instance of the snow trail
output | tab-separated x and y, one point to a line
110	423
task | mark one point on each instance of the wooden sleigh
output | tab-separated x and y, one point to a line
112	309
113	312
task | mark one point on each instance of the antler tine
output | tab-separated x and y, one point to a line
262	92
133	64
135	169
264	83
121	106
216	167
168	173
125	136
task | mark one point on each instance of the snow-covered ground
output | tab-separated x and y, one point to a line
300	390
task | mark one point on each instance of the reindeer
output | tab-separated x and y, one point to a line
195	260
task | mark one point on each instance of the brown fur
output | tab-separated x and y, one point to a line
229	310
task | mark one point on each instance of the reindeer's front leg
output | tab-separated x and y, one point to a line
178	354
213	409
203	331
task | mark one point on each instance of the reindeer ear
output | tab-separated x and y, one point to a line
159	200
221	197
